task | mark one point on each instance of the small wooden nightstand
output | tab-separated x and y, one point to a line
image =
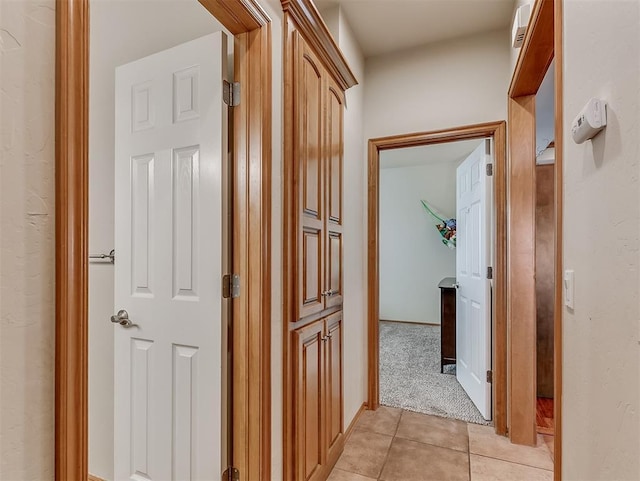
447	321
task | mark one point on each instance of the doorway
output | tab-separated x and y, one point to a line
249	25
427	233
159	183
497	349
544	251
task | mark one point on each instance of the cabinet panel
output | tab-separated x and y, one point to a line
334	173
309	398
311	135
335	147
310	168
334	398
312	268
334	269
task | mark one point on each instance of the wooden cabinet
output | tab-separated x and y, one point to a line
317	193
318	158
318	396
447	321
316	77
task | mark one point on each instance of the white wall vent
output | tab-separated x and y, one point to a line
520	22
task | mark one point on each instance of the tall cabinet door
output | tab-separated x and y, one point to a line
334	155
309	394
310	183
334	393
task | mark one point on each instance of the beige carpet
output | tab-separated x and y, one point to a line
410	374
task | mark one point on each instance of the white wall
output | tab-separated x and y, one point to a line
27	72
137	37
413	259
274	10
545	111
438	86
601	339
355	309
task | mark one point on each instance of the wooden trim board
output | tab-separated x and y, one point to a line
252	186
543	42
521	304
316	33
349	431
559	306
72	193
412	322
497	131
536	53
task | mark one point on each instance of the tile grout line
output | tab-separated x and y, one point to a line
511	462
386	458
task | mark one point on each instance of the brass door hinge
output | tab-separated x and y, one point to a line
231	474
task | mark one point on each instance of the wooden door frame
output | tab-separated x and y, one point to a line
250	25
542	43
497	131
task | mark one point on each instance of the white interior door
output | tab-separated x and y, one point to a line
473	308
171	142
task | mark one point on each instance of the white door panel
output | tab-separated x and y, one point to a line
473	318
171	142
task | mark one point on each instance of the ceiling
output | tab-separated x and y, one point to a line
428	154
383	26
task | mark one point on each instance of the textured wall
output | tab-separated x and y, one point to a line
27	43
437	86
601	351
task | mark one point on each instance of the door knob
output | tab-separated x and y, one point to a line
122	318
456	285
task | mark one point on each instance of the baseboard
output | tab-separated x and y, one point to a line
352	425
412	322
95	478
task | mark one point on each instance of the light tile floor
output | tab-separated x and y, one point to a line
395	445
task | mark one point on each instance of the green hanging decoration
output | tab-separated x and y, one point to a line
446	227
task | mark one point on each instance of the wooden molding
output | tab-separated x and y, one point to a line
559	267
95	478
418	323
71	289
309	22
252	253
496	130
252	187
543	42
536	53
349	431
521	276
238	16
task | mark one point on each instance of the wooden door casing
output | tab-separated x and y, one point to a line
309	393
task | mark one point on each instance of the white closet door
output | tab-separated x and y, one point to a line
171	142
473	307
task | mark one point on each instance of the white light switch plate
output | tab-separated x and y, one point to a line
568	288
